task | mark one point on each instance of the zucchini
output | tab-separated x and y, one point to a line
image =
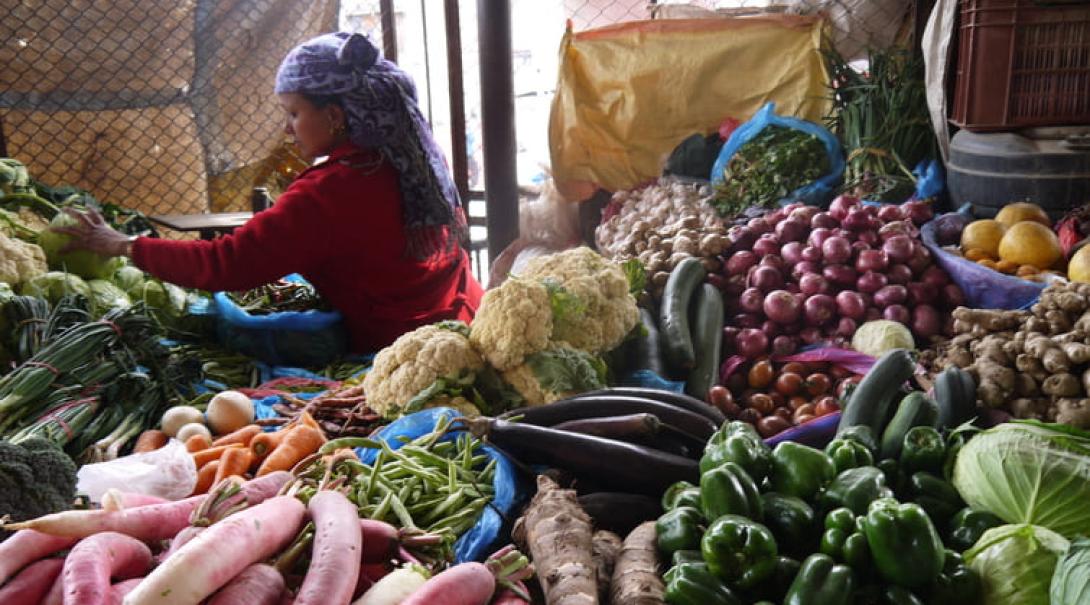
872	400
707	341
955	394
916	409
677	341
648	349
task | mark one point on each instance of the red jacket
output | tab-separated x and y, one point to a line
338	225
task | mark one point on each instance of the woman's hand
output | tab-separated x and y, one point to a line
92	233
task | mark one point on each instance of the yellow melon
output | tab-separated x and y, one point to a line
983	235
1030	243
1078	268
1017	212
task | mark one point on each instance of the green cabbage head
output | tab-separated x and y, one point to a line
105	295
1071	581
1015	563
53	285
129	278
881	335
83	263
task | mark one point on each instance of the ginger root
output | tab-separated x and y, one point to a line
1025	385
1077	352
1062	385
1029	408
1075	412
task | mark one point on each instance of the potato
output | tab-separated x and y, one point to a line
193	428
177	417
229	411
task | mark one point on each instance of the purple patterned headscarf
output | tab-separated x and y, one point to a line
379	101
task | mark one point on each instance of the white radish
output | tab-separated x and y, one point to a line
148	523
394	587
335	556
95	560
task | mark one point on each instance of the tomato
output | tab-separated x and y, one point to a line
788	383
784	413
845	385
778	399
797	402
803	419
736	382
818	384
826	405
719	396
793	367
749	415
806	410
731	410
762	403
772	425
761	374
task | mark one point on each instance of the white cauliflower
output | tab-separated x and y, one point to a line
513	321
556	373
20	261
418	360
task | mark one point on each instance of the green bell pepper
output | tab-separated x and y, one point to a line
896	479
848	453
844	541
938	498
775	588
904	545
800	470
855	489
738	442
924	450
821	581
956	584
790	519
954	442
863	435
968	525
740	551
679	529
695	584
899	595
729	490
840	518
681	493
686	556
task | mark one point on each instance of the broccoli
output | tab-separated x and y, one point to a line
36	478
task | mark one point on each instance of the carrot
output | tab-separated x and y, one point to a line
243	435
234	461
197	442
558	533
149	441
300	443
147	523
263	444
334	568
380	541
33	583
203	457
221	552
206	477
635	574
115	499
464	584
96	559
258	584
26	547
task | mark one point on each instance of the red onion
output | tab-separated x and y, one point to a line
819	235
805	268
717	280
850	304
898	228
868	299
811	253
889	212
766	244
919	212
842	275
751	343
784	345
845	327
935	277
899	274
765	278
791	252
898	248
742	238
871	260
730	333
771	329
857	220
858	247
897	313
872	314
751	301
836	250
747	320
839	207
759	226
776	216
803	213
920	293
782	307
926	321
791	230
813	283
736	284
793	206
868	237
792	329
730	305
740	262
921	259
824	220
953	296
773	260
893	294
818	309
810	334
871	282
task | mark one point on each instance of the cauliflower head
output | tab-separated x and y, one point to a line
607	312
513	321
415	361
556	373
20	261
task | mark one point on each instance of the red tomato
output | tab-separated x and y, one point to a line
788	383
826	405
772	425
818	384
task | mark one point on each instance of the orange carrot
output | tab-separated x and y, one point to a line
149	441
300	443
243	435
234	461
206	477
263	444
203	457
197	442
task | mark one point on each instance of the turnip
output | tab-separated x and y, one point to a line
395	586
26	547
98	558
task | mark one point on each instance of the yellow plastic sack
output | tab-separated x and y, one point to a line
629	93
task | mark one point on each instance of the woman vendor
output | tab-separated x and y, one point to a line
376	226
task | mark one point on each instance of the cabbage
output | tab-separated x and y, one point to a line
876	337
105	295
1029	472
83	263
129	278
1015	563
53	285
1071	581
167	298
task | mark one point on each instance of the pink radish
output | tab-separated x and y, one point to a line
509	597
119	590
257	585
180	540
380	541
55	596
464	584
148	523
33	583
221	552
92	562
115	499
229	497
334	559
26	547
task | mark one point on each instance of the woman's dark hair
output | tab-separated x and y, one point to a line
321	101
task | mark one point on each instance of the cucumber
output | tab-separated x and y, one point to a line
648	350
955	394
871	401
677	340
916	409
707	324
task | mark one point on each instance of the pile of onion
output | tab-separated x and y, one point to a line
800	275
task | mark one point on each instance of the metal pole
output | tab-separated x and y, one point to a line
456	89
389	29
498	123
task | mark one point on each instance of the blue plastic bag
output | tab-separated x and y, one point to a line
817	193
477	542
983	287
930	180
651	380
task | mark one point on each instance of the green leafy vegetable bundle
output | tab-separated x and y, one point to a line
768	168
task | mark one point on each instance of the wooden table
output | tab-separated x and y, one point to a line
208	225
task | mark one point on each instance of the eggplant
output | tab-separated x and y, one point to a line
598	406
680	400
620	512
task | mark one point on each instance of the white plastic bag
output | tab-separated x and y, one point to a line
168	472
